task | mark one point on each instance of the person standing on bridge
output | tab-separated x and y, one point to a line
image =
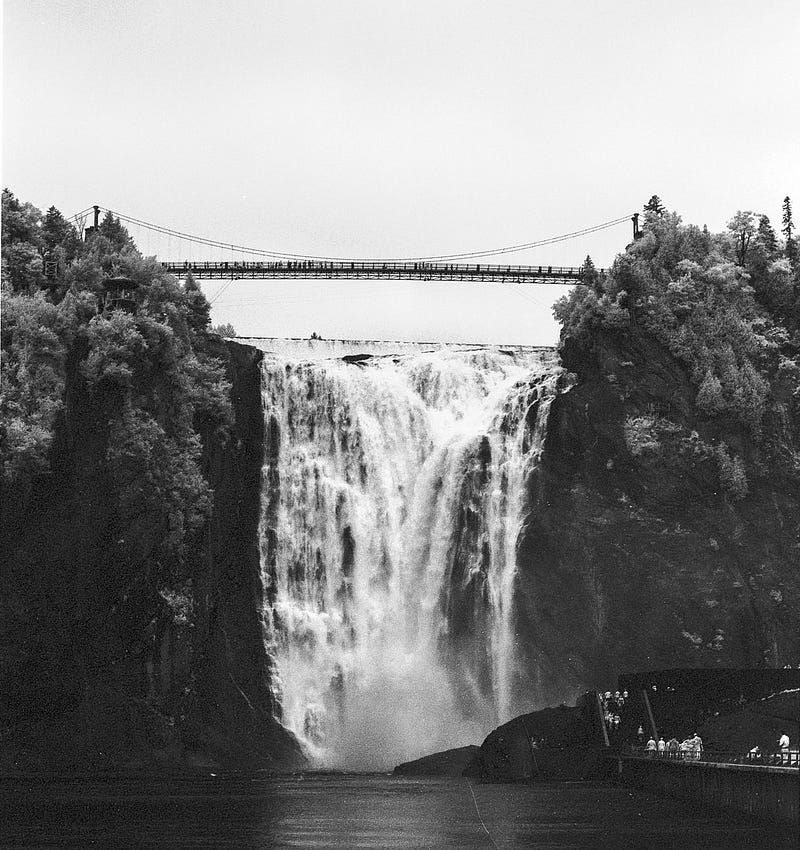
783	748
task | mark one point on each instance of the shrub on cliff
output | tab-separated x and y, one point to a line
732	476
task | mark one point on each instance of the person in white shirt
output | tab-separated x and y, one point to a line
783	746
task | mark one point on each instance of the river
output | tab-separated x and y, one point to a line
357	811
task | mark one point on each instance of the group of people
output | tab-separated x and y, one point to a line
690	748
612	705
785	755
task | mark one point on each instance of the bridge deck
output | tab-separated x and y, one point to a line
379	271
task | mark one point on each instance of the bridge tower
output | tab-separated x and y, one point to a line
92	230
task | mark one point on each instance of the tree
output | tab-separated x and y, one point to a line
743	228
199	315
654	206
766	235
224	330
589	274
788	224
763	252
21	222
679	285
22	267
709	397
60	235
116	233
790	251
155	373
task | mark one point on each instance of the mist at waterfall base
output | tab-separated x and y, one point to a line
391	505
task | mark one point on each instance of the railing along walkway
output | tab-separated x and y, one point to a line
784	758
379	271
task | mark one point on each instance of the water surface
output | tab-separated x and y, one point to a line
358	811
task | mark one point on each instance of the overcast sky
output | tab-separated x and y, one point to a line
372	128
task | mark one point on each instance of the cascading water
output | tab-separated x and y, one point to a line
393	490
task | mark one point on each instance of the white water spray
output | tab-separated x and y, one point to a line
391	509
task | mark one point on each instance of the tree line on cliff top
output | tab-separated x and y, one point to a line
726	305
150	372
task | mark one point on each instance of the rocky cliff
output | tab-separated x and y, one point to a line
103	665
637	552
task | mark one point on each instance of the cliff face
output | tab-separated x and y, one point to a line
103	666
637	551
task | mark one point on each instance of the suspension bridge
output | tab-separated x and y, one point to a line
213	259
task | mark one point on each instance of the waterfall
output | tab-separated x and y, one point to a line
391	505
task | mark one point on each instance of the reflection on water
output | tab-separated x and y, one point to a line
356	811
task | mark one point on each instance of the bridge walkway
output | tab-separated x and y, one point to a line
563	275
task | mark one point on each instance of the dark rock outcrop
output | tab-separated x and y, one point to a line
103	669
552	744
633	555
447	763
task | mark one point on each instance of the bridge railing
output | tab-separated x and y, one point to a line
375	267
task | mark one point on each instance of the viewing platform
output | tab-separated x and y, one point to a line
770	792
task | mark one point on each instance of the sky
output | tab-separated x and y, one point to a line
383	128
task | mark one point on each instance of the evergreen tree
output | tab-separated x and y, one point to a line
55	228
788	224
766	235
116	233
654	212
199	310
60	235
589	273
790	251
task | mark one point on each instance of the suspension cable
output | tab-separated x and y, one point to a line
282	255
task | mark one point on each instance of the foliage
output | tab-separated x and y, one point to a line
732	475
114	231
225	330
151	372
788	223
743	227
21	221
726	305
23	268
158	479
35	339
655	206
710	398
